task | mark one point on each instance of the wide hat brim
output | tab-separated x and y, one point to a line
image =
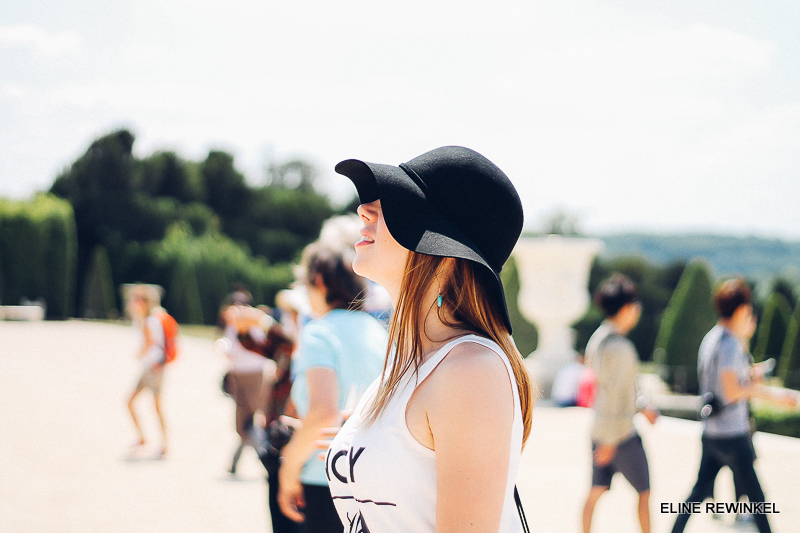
414	222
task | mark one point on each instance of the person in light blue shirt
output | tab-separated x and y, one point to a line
340	353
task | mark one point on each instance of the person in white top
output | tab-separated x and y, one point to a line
144	306
435	443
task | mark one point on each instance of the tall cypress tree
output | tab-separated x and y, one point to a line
688	317
789	366
773	328
99	298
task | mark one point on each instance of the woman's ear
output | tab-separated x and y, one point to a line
319	284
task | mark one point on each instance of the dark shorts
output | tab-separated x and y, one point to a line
629	460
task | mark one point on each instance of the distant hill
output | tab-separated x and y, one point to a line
754	257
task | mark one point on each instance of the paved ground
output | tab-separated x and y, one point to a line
65	466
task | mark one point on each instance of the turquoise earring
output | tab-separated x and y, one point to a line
439	300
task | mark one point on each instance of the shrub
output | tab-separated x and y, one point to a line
688	317
525	336
776	420
203	269
183	294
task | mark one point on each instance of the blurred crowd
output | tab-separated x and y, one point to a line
296	371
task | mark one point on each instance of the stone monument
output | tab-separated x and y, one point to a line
553	279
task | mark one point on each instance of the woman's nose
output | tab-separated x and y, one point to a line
368	212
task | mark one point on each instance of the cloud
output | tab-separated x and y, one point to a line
48	46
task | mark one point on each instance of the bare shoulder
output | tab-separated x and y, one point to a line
471	365
468	394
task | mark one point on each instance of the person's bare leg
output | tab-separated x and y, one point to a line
133	416
157	401
588	508
644	511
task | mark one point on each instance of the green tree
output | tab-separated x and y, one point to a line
226	191
292	174
281	221
100	185
688	317
789	366
126	205
166	174
773	328
561	222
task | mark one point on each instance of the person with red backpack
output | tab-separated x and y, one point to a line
159	331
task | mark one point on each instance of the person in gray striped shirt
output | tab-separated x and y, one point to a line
725	370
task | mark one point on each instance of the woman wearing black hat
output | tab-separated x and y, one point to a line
434	445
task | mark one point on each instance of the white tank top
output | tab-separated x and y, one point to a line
383	480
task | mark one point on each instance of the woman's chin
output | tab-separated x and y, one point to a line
359	267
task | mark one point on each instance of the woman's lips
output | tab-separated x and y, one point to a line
364	241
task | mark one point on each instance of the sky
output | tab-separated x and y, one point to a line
630	115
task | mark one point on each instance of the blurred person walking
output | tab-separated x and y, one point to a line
566	384
265	428
616	446
340	353
728	379
157	349
259	355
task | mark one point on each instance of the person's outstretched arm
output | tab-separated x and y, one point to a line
733	390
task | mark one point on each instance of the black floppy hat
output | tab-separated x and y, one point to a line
449	202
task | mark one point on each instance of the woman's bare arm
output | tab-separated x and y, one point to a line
470	412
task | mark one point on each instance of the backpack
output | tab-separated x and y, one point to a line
170	326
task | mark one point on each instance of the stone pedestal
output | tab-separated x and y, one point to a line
553	276
22	312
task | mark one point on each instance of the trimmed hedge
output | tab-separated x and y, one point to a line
38	253
688	317
525	336
776	420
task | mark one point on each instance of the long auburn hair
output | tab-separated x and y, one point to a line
464	295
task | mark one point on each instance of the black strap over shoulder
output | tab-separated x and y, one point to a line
521	511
